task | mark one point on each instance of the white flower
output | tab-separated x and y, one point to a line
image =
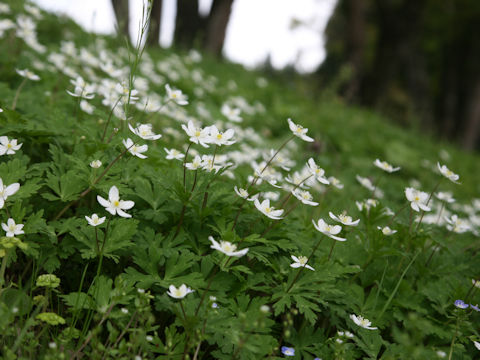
441	353
126	94
477	344
27	74
244	194
457	225
299	131
227	248
317	171
95	164
267	210
95	220
197	135
176	96
195	164
365	182
418	199
231	113
144	131
12	229
135	149
179	293
450	175
445	196
344	219
301	261
82	89
8	146
360	321
335	182
304	196
385	166
386	230
6	191
219	138
114	205
173	154
329	230
86	106
366	204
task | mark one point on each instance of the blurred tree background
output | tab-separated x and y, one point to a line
417	61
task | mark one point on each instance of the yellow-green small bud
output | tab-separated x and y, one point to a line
50	318
48	280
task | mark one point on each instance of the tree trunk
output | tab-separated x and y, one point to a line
120	8
471	134
355	45
217	26
188	24
155	23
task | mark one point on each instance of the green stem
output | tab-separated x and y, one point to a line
184	167
109	118
453	341
3	268
22	84
387	304
428	201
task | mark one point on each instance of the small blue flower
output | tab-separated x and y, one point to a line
288	351
475	307
460	304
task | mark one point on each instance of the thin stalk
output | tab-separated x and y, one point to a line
397	213
303	267
440	213
215	271
387	304
453	341
469	291
3	268
428	201
376	186
87	340
205	194
255	179
15	99
183	311
184	166
109	118
122	334
331	249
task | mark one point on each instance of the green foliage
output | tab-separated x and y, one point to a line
117	278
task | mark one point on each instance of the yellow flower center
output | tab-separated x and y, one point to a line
116	203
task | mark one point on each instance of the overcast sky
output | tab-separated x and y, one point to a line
257	28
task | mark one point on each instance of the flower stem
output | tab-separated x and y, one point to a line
331	249
15	99
205	194
184	167
3	268
453	341
109	118
428	201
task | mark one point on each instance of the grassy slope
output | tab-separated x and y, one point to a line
349	139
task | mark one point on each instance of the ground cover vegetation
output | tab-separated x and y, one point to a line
162	205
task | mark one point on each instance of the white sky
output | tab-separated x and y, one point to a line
257	28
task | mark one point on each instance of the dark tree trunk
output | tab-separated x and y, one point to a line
355	45
188	24
120	8
155	23
217	26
